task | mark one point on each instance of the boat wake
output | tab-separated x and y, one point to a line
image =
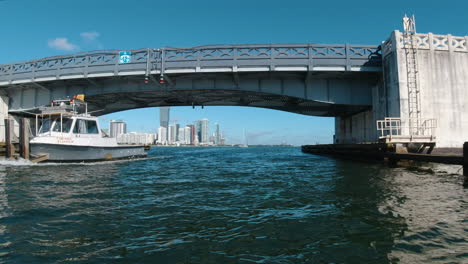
15	162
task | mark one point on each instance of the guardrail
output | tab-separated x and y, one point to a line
428	41
395	126
204	58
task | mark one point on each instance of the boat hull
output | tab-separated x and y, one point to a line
73	153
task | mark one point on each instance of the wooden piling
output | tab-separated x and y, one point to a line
24	138
9	148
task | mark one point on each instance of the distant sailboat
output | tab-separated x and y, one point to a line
246	144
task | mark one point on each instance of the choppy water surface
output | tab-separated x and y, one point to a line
232	205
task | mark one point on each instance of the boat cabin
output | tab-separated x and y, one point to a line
68	118
59	124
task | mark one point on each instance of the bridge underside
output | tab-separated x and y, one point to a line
309	93
108	103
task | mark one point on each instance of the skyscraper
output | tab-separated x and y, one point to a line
205	131
172	134
193	140
117	127
198	127
217	136
188	135
177	126
164	118
162	135
181	135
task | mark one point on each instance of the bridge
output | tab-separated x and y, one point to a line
357	84
326	80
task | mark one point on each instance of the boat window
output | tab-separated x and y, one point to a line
80	127
85	127
92	127
66	125
45	126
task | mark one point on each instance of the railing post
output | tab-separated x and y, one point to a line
431	41
466	43
311	59
148	57
163	61
451	48
348	60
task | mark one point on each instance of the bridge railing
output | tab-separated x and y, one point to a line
396	126
204	58
428	41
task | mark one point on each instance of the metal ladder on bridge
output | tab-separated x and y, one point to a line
410	128
411	49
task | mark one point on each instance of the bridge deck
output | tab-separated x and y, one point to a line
233	58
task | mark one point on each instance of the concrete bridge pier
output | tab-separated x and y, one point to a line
361	127
431	89
355	128
442	81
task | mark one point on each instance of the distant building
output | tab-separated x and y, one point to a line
198	131
177	126
164	116
217	136
222	140
181	135
195	140
162	135
172	135
164	113
205	131
192	134
188	135
117	127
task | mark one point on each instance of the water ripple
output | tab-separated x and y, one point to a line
231	205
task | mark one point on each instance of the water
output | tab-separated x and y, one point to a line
232	205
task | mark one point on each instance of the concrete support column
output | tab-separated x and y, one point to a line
357	128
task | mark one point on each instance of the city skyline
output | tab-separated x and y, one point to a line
196	133
260	131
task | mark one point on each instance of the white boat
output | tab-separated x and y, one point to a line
65	135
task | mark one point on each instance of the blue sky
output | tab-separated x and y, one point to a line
34	29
